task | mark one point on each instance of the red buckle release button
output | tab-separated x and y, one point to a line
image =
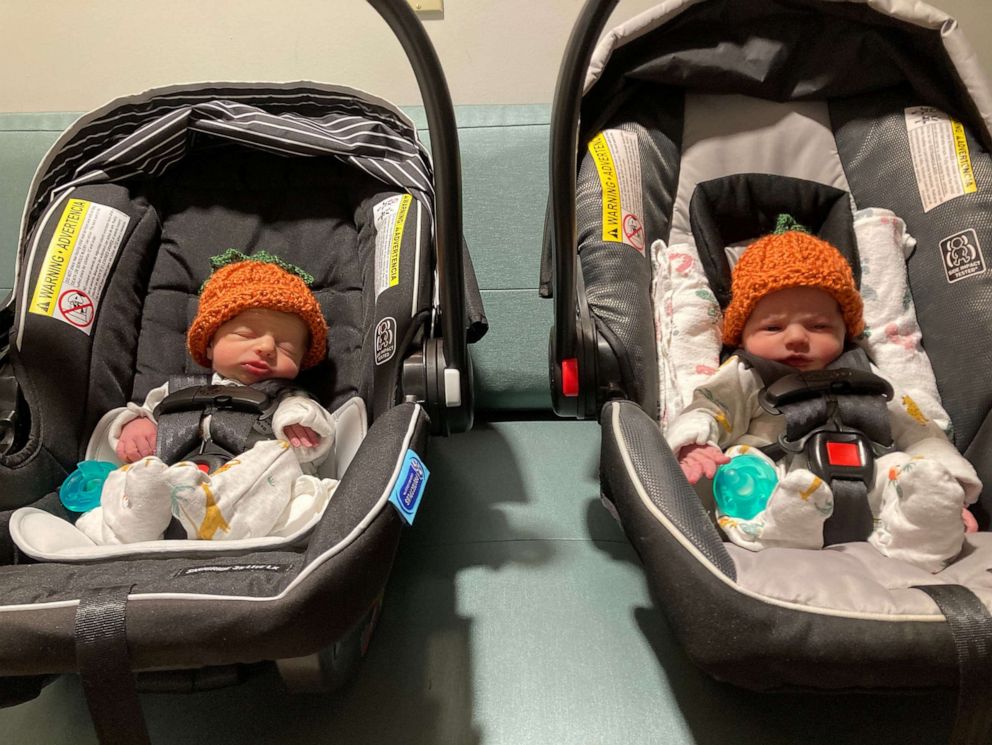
570	377
843	454
203	467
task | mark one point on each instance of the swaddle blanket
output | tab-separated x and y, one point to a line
261	492
688	321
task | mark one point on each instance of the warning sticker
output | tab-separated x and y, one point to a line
390	219
618	163
941	160
77	262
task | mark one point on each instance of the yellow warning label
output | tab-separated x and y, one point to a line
964	158
394	247
60	248
600	151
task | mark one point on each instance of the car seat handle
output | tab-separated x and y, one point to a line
446	158
568	341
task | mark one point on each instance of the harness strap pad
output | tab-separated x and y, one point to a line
232	430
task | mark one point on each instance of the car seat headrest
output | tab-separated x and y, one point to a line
744	206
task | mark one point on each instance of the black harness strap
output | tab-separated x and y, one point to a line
105	669
803	417
179	433
231	430
851	516
851	519
971	629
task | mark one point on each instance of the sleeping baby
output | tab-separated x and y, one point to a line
258	325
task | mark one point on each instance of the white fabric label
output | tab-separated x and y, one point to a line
390	218
77	262
618	162
940	155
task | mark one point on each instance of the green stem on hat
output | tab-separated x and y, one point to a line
233	256
787	222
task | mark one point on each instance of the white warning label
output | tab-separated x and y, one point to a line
390	218
940	155
77	262
618	163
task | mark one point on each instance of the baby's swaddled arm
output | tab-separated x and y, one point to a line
916	434
719	414
297	413
133	431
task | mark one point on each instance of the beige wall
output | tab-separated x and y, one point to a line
62	56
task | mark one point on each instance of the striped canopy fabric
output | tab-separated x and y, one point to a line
145	134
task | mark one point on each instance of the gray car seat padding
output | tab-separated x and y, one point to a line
734	209
730	134
954	314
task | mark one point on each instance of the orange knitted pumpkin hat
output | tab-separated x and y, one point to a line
790	257
240	283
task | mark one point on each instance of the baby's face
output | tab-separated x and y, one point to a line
799	326
259	344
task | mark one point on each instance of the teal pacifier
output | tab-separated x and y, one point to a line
81	491
742	486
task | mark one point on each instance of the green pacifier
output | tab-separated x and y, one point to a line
81	491
742	486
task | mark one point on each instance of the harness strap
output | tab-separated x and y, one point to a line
803	417
179	433
232	431
851	519
971	629
868	414
105	669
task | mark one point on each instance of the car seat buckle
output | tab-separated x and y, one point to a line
831	454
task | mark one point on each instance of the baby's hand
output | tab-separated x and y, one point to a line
970	523
137	440
700	460
300	436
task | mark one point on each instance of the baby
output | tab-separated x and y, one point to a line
794	301
257	325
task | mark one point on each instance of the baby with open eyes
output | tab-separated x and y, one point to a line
258	325
794	308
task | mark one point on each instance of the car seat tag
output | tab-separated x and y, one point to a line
941	160
409	486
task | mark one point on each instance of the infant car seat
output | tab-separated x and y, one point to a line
700	121
122	218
